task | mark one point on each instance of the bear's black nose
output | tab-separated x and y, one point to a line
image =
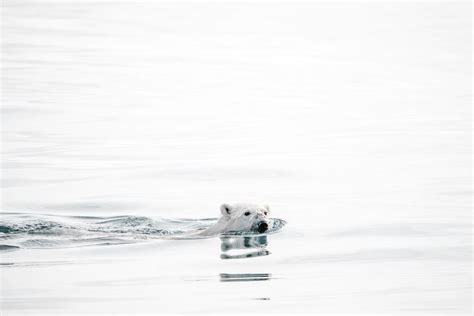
262	227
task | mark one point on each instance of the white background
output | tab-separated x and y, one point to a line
352	120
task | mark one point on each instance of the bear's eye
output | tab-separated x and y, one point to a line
266	213
247	213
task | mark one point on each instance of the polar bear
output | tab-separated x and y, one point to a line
241	217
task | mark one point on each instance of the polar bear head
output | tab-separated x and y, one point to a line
246	217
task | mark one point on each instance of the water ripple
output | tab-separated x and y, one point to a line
20	230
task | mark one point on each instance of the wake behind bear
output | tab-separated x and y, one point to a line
240	217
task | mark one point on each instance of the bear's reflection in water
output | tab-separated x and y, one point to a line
244	277
241	247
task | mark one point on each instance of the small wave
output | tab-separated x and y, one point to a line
35	226
51	231
8	248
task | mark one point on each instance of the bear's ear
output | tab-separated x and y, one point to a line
226	209
267	207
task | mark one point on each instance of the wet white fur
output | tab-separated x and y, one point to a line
233	218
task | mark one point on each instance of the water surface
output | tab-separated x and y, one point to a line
351	120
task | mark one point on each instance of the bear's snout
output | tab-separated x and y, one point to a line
262	227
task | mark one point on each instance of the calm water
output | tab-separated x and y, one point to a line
353	121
